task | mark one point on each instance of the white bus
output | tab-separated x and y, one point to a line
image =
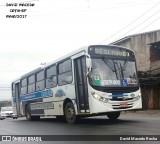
91	81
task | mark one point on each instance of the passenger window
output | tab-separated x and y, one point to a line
51	77
65	72
24	86
31	84
40	82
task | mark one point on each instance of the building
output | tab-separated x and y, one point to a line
147	50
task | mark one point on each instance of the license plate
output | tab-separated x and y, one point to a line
124	105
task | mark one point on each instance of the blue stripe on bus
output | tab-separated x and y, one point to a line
118	95
41	94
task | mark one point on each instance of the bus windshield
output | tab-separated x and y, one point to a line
113	72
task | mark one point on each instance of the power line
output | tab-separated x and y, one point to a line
140	23
149	25
131	22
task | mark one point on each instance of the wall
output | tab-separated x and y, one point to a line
140	44
151	97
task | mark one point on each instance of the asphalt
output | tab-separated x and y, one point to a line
141	122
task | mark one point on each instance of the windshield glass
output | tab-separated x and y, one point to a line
111	72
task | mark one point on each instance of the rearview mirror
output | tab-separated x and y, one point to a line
88	63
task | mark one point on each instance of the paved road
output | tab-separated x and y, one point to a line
129	123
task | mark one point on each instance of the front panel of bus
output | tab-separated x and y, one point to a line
113	83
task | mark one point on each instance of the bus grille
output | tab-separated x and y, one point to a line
117	106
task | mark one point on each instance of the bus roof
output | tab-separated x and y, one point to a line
84	48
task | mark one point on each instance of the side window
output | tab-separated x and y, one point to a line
24	82
31	84
40	82
65	72
51	77
24	86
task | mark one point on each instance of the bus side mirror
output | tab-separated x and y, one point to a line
88	63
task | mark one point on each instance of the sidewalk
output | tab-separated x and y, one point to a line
144	112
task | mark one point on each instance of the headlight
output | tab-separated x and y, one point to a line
136	98
96	96
100	98
139	94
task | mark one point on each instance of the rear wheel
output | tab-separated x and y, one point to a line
113	115
29	116
70	114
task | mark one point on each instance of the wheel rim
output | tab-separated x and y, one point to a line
70	113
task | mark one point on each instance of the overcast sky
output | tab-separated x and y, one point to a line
56	27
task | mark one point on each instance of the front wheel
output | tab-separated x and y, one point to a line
70	114
113	115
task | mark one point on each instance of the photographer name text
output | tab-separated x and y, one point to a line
143	138
18	10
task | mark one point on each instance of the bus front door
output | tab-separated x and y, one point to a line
17	98
81	85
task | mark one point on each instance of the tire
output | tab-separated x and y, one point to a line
70	114
29	117
113	115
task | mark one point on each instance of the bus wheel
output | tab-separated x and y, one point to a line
28	114
70	114
113	115
29	117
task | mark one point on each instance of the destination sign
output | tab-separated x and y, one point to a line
110	51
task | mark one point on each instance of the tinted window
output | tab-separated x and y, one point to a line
24	90
31	88
51	80
51	71
31	79
65	66
65	72
24	82
40	76
40	85
65	78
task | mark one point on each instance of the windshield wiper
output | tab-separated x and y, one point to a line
111	66
124	65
